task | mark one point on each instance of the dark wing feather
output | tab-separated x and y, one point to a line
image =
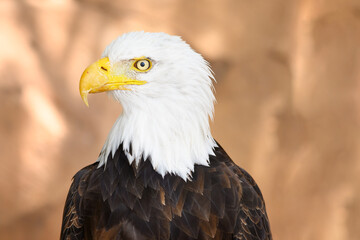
252	220
73	221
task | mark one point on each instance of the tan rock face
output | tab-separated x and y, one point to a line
288	107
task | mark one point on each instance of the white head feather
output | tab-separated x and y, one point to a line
167	119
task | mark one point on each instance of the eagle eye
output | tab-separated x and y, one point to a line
143	65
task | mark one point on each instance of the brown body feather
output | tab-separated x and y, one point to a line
122	201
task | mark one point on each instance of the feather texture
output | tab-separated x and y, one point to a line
121	201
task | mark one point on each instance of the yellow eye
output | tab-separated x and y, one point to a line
143	64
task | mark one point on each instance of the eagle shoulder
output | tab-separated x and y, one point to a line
252	220
73	220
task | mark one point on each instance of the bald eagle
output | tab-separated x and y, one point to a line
160	173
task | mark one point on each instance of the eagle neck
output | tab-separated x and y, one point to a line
173	139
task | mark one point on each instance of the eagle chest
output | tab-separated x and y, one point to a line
137	203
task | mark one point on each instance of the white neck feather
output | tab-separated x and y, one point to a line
173	140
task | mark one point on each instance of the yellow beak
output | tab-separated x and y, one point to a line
99	77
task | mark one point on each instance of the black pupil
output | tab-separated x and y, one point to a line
142	64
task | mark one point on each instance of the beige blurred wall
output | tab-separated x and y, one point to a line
288	74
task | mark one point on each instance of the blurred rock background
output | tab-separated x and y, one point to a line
288	110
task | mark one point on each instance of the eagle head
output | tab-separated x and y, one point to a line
165	89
